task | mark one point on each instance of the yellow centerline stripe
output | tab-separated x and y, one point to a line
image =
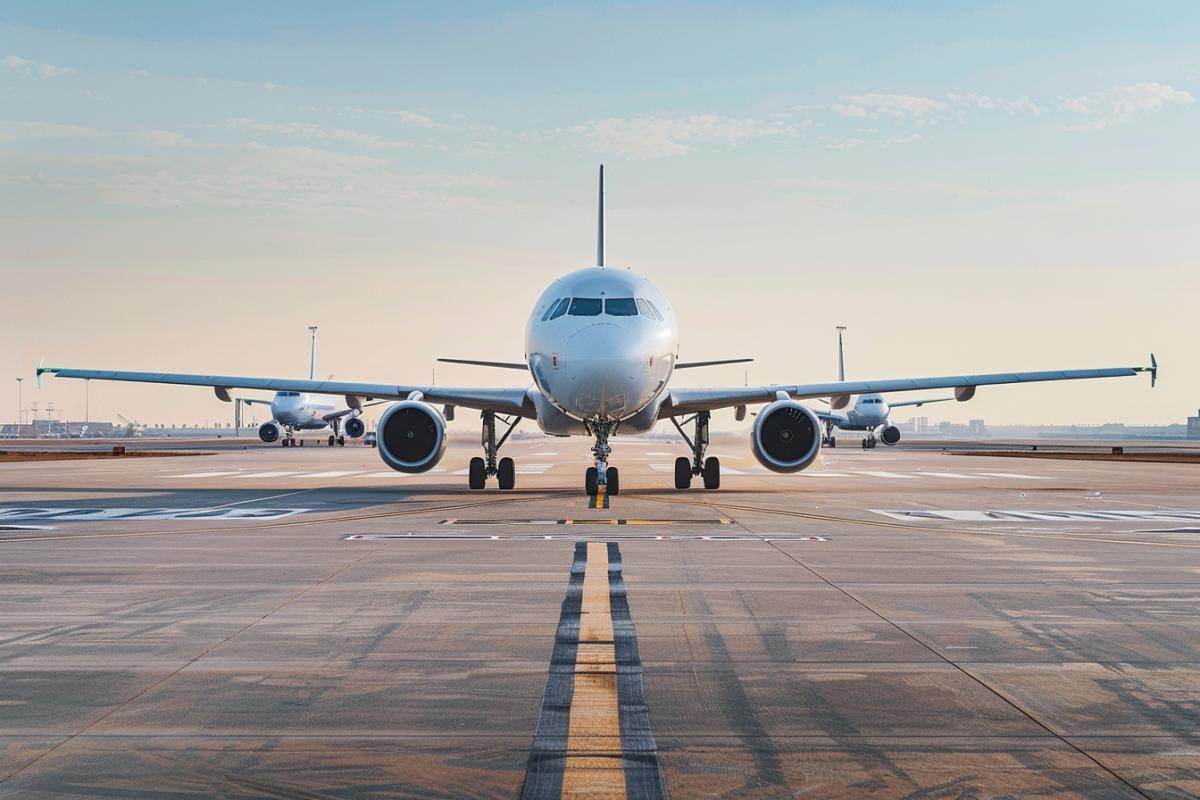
594	767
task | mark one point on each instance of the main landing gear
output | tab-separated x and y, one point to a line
869	441
337	437
504	469
601	474
829	440
289	438
709	468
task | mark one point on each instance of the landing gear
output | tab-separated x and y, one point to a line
341	441
868	442
708	468
504	469
332	439
829	440
601	474
289	438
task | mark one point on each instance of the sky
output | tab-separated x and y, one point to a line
967	187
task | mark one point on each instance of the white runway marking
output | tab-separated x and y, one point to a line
660	455
204	475
954	475
1014	475
266	474
334	474
93	514
826	475
1042	516
881	474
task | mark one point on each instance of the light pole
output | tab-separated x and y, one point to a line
87	400
20	404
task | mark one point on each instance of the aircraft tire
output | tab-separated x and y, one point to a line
476	477
712	473
683	473
591	480
612	481
506	473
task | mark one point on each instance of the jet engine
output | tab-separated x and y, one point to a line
412	436
270	432
890	435
354	427
786	436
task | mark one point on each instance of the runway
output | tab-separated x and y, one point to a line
303	622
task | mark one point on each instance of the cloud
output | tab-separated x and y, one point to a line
886	105
160	138
664	137
308	130
1012	105
1123	103
43	130
33	69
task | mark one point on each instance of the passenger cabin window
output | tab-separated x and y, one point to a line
620	307
585	307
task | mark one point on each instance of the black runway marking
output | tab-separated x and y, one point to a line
548	756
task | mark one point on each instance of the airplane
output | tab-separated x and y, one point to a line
871	412
601	347
293	411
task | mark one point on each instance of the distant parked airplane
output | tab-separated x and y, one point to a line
871	412
601	347
302	411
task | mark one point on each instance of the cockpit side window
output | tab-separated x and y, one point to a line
585	307
644	308
620	307
657	315
559	308
550	309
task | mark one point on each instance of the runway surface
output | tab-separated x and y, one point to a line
303	622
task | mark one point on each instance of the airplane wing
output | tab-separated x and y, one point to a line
689	401
502	401
918	403
494	364
828	416
250	400
347	411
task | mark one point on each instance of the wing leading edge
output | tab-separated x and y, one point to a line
502	401
688	401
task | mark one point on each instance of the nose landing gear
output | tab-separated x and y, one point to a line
504	469
708	468
601	474
829	440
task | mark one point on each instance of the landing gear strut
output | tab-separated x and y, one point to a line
829	440
601	474
868	442
289	438
709	468
336	437
504	469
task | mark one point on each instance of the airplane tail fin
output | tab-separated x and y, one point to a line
312	361
600	223
841	355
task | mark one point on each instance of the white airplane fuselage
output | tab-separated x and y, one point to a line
870	411
601	343
302	411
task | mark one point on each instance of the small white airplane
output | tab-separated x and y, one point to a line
293	411
871	412
601	348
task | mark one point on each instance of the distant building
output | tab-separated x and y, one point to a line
976	429
920	424
1193	429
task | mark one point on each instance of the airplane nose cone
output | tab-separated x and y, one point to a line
605	371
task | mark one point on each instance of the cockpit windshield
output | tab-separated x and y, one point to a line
620	307
585	307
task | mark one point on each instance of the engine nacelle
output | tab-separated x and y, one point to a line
411	436
270	432
786	436
890	435
354	427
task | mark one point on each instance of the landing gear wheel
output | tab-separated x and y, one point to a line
506	473
683	473
832	442
283	442
590	480
612	481
331	440
864	444
712	473
341	441
476	477
301	443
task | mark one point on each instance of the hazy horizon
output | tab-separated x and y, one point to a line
967	189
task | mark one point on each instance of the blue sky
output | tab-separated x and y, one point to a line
898	169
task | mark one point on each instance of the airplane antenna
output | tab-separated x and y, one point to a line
312	363
841	356
600	223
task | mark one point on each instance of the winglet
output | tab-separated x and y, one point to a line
600	223
1153	370
40	370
